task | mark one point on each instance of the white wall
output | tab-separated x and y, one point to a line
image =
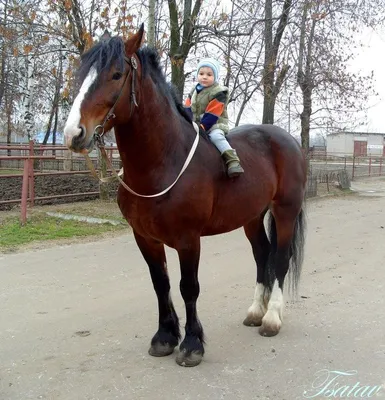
375	145
336	144
343	144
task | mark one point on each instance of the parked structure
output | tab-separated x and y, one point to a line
356	143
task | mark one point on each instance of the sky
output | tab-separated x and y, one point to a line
372	58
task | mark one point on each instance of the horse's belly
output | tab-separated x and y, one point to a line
230	217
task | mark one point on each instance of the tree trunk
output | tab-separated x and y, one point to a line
180	44
27	97
241	110
55	130
178	78
78	28
49	126
56	100
151	24
305	119
304	74
272	85
9	126
3	56
268	69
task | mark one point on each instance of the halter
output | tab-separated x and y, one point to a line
111	114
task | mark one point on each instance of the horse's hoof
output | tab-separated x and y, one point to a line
188	359
252	320
269	330
160	350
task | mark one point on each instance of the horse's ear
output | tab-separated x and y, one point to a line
106	35
134	42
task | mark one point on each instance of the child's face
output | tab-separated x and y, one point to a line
206	76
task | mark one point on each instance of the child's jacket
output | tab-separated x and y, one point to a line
209	107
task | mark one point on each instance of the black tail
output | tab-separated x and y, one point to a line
296	251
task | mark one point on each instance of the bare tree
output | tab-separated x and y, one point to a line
273	76
326	30
151	23
182	25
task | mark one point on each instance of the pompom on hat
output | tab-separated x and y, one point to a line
211	63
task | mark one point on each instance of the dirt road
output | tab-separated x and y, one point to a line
76	321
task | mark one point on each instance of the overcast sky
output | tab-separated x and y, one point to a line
373	58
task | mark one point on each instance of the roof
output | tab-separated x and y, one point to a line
355	133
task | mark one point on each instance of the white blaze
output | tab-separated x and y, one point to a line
71	128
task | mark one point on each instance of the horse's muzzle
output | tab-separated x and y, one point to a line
79	142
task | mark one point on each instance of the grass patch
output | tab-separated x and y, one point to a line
40	228
94	208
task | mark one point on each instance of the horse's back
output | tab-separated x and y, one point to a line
272	151
262	135
268	142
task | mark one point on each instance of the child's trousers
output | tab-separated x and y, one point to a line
218	138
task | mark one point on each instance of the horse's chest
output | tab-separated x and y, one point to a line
146	217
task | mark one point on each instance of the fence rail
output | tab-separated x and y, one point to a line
355	166
44	161
38	161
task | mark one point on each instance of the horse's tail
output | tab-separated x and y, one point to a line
296	251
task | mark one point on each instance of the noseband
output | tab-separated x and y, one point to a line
99	129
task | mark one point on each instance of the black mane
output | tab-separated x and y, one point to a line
110	52
102	56
150	61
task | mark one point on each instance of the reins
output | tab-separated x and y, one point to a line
99	139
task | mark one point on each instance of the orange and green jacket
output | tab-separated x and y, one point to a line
208	107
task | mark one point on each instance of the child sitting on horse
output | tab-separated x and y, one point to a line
207	103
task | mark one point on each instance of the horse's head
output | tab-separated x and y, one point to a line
108	73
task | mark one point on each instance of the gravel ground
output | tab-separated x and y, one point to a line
76	319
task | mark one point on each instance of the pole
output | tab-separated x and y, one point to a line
24	193
30	175
289	112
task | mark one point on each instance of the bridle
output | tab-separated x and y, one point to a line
98	136
99	139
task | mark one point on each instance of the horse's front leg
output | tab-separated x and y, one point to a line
191	349
168	335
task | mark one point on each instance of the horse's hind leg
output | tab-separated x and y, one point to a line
287	230
168	335
255	232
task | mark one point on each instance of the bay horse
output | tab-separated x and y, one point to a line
123	87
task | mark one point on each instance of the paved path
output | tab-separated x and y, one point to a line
76	321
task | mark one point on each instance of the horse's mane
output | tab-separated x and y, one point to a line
105	53
151	65
102	56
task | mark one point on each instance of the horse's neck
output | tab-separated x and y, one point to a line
153	142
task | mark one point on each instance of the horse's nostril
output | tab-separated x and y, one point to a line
79	138
82	133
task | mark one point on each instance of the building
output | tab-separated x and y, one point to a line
356	143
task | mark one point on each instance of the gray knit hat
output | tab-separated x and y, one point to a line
211	63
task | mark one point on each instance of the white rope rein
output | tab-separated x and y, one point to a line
117	175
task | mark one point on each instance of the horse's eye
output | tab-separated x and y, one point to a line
117	76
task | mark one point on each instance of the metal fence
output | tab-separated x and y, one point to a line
355	166
62	159
43	162
329	169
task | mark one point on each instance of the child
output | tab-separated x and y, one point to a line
207	103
